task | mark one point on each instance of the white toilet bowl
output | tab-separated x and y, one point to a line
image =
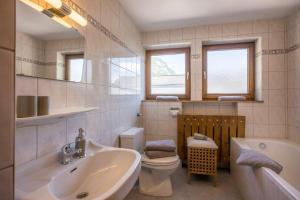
155	175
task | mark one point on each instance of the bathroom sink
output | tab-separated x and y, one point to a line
109	173
96	177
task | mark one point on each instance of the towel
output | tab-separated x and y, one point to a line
231	98
160	154
160	145
167	98
209	143
257	159
199	136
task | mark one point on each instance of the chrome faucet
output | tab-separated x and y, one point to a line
67	153
73	150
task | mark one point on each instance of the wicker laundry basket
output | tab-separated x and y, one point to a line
202	158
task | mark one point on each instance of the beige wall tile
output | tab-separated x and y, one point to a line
202	32
215	31
276	40
277	80
261	115
189	33
261	26
176	34
260	131
277	131
277	115
25	144
51	137
163	36
26	86
56	90
245	28
230	29
277	25
277	97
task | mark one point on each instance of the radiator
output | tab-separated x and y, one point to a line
219	128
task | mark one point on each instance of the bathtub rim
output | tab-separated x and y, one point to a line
285	186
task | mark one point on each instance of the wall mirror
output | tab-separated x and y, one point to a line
48	48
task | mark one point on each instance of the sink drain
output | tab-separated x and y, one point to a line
82	195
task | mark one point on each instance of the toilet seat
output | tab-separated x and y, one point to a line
167	161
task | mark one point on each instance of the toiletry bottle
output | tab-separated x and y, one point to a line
80	144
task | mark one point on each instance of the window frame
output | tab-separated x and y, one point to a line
170	51
251	69
68	57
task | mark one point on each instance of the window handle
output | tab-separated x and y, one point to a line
187	75
204	75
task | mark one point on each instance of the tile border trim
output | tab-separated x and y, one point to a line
96	24
263	52
293	48
32	61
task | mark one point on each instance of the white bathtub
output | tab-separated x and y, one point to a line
263	183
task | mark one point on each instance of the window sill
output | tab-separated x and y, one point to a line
206	101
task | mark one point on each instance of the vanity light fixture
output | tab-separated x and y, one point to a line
77	18
57	19
33	5
58	11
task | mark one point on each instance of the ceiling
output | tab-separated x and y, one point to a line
39	25
151	15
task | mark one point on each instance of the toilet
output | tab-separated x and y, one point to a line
154	178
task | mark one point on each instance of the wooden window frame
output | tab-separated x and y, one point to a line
150	53
67	60
251	69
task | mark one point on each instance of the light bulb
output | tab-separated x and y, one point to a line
55	3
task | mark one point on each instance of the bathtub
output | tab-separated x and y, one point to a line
263	183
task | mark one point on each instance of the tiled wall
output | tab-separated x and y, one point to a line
293	58
160	124
158	121
267	119
114	70
7	96
199	108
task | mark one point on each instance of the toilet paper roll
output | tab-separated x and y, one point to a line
174	113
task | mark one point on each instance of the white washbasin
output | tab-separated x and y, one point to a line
107	173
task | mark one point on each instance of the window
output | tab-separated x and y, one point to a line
167	73
74	67
228	70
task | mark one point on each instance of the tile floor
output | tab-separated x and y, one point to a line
201	188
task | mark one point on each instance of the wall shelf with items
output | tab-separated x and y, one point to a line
53	116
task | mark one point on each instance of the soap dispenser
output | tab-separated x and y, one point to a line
80	144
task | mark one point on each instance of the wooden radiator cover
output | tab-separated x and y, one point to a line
219	128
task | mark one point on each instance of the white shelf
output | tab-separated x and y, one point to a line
53	117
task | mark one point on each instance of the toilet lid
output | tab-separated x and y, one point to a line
160	161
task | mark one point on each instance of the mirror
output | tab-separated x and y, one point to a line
47	49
